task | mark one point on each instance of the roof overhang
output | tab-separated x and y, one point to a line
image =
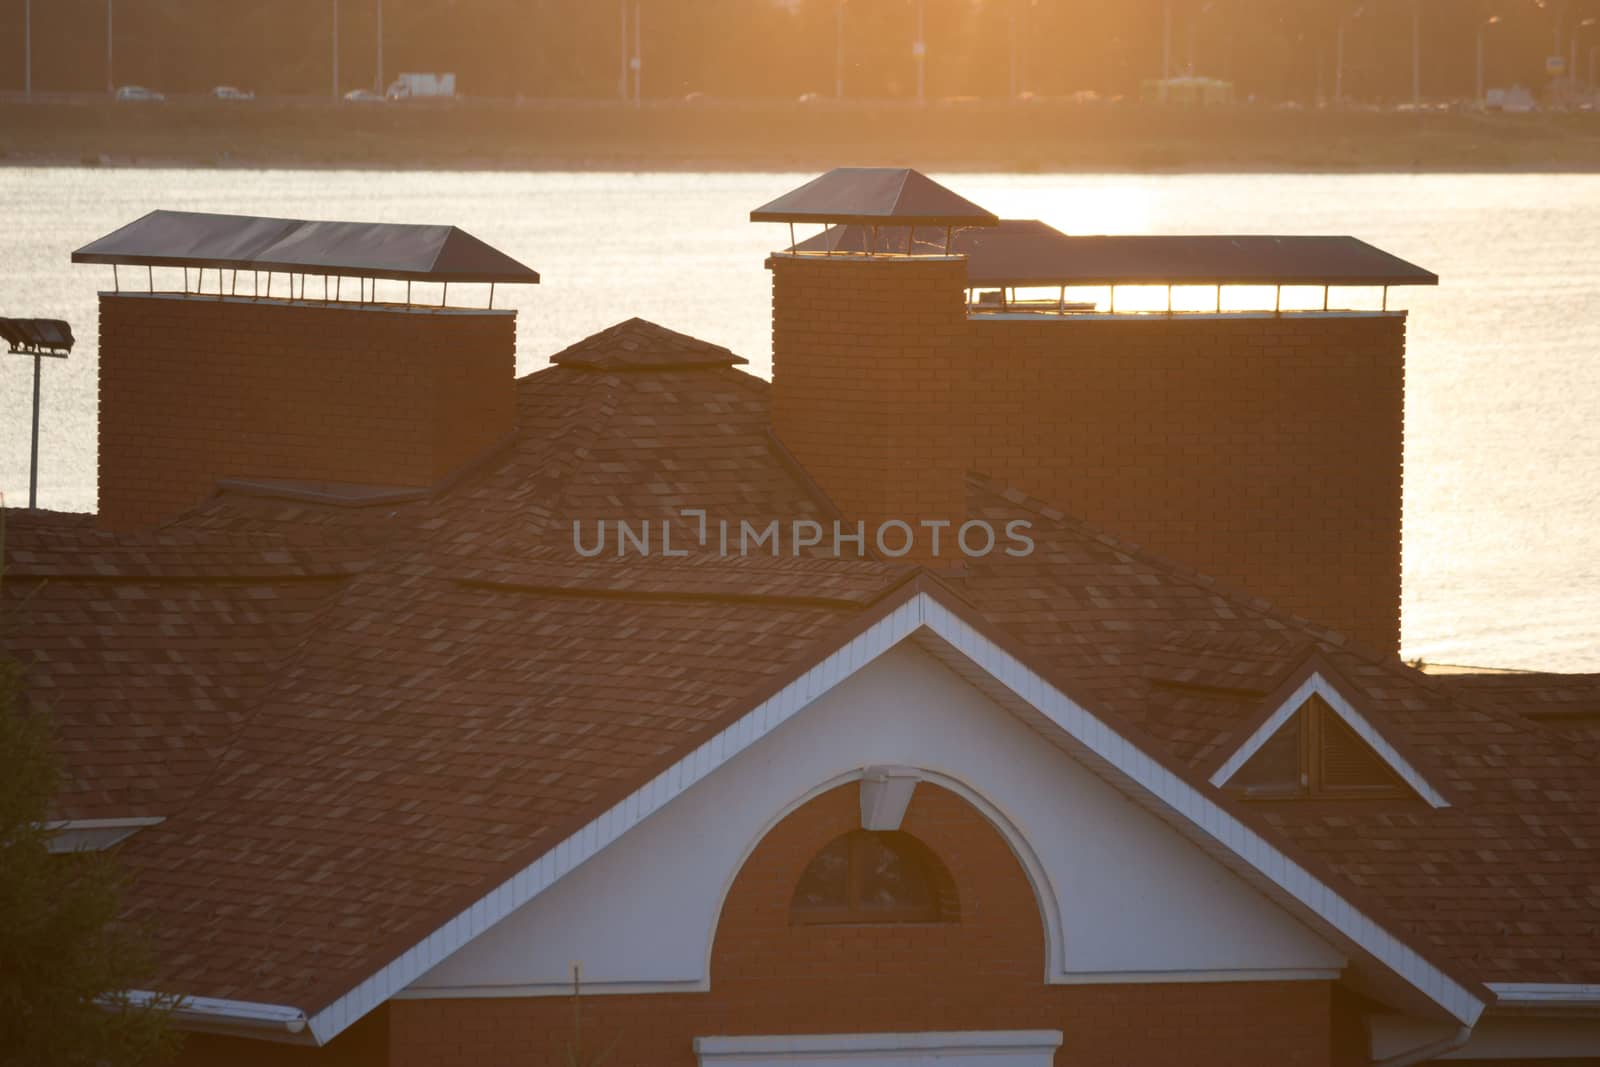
1024	253
239	1018
874	196
925	609
395	251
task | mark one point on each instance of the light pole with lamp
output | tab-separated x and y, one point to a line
380	89
1338	53
1416	53
838	49
919	50
1483	28
1166	45
1572	65
336	51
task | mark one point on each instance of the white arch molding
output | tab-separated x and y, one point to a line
1044	896
1142	902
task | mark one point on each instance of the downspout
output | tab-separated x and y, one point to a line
1423	1053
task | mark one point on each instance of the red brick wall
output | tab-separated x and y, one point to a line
196	389
1263	450
871	368
985	972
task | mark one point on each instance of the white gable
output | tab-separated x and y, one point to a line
1317	685
1124	897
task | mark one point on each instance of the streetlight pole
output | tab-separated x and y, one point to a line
1338	52
1014	85
638	56
27	49
336	51
1572	65
111	82
1483	28
838	49
380	88
919	49
1416	52
1166	45
622	70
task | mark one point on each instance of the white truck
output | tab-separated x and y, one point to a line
423	86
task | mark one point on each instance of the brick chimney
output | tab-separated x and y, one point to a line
871	367
196	388
1262	449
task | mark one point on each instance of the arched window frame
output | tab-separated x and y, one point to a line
941	905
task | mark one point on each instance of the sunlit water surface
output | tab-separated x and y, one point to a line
1502	488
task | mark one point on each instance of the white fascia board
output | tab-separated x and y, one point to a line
1101	743
977	1046
1167	789
245	1017
1546	994
94	835
1316	684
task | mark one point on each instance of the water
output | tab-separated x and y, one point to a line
1502	537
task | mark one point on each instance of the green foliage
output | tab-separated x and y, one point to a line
64	954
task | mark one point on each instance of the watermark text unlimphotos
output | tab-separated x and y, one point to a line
892	538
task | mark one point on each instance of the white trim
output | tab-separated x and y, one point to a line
1352	718
1162	789
212	1013
965	1046
1545	993
1267	974
94	835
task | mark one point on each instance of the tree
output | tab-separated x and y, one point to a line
65	957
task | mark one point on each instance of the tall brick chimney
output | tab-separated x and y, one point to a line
195	388
872	367
1264	449
198	386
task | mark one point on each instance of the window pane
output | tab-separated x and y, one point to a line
1275	768
890	878
825	881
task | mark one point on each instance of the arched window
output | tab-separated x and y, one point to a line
874	877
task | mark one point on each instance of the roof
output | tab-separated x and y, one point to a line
874	195
402	251
360	719
1026	252
639	345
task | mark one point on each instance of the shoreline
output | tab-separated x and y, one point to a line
764	137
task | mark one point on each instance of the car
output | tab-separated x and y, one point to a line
808	98
138	93
229	92
363	96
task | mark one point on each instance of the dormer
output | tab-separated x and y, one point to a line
1316	745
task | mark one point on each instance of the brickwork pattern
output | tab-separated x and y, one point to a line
1262	450
985	972
194	389
871	370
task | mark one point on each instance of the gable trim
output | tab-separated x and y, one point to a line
1102	744
1318	684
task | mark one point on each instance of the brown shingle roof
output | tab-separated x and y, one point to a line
641	345
358	718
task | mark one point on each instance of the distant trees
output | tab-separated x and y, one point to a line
64	955
1274	49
